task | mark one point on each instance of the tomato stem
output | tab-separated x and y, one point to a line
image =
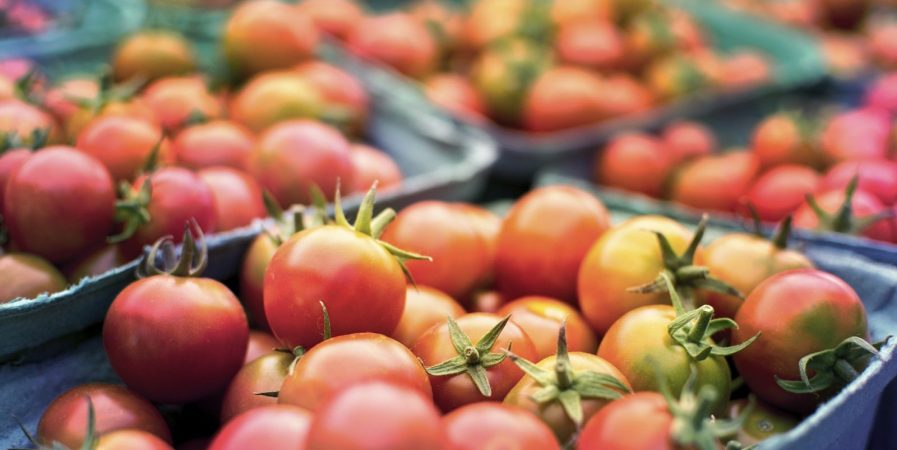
698	331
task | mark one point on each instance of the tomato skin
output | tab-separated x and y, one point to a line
23	119
264	374
424	308
335	364
184	351
381	415
252	279
731	175
456	94
495	425
863	205
214	143
115	408
564	97
338	89
452	392
59	204
778	139
635	162
23	275
596	44
860	134
152	54
9	162
686	139
538	258
762	422
276	96
878	178
781	190
174	99
812	311
542	317
59	99
292	155
371	164
336	17
273	427
131	440
306	271
134	108
397	40
267	35
123	144
625	256
625	95
553	414
638	421
237	197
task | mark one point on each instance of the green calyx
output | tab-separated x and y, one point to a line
782	233
131	209
472	359
295	219
834	367
191	263
569	387
843	220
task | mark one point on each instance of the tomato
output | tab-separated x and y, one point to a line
174	100
596	44
785	138
131	440
173	338
535	257
260	343
123	144
61	99
252	277
864	218
447	233
274	427
686	139
624	95
237	197
745	68
503	75
882	93
59	204
23	119
424	308
265	35
381	415
339	362
372	165
134	108
566	11
10	160
457	388
626	256
494	425
563	97
27	276
96	263
781	190
336	17
151	55
294	155
215	143
115	408
540	318
635	422
263	374
489	20
731	175
860	134
398	40
272	97
635	162
345	97
763	421
456	94
798	312
878	178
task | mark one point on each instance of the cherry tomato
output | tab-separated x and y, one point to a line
489	225
636	422
398	40
152	55
61	99
540	318
678	75
27	276
336	17
762	422
494	425
335	364
237	197
860	134
131	440
730	174
370	165
264	374
9	162
252	278
275	96
882	93
23	119
456	94
273	427
346	99
535	257
424	308
685	140
175	99
266	35
443	22
123	144
564	97
635	162
115	408
134	108
648	37
864	206
781	190
784	138
260	344
215	143
595	44
878	178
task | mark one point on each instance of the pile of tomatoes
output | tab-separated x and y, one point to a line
517	332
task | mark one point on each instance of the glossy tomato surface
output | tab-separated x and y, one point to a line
237	197
214	143
542	317
275	96
152	54
123	144
131	440
174	100
495	425
272	427
781	190
638	421
424	308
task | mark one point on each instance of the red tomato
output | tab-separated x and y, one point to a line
863	206
541	317
638	421
336	17
398	40
685	140
123	144
860	134
175	99
784	138
131	440
456	94
370	165
535	257
23	119
9	162
453	391
26	276
152	54
134	108
635	162
252	278
781	190
60	100
494	425
237	197
292	156
564	97
115	408
489	225
882	93
381	415
730	174
878	178
274	427
346	99
275	96
322	372
267	34
260	344
59	204
424	308
624	95
263	374
596	44
215	143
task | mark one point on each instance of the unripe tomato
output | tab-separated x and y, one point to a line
397	40
123	144
273	427
26	276
237	197
781	190
276	96
494	425
636	422
540	318
152	55
264	374
503	74
215	143
336	17
174	100
131	440
636	162
424	308
267	35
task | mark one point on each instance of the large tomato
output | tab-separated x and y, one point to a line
540	318
635	162
123	144
623	95
381	416
107	104
151	55
265	374
10	160
115	408
345	97
237	197
131	440
596	44
494	425
336	17
456	94
59	204
480	358
781	190
273	427
785	138
174	100
424	308
539	257
275	96
685	140
730	174
865	216
336	363
371	165
215	143
260	344
267	34
397	40
23	119
878	178
564	97
26	276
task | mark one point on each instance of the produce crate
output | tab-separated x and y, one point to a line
796	62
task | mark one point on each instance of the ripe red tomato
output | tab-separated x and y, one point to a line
453	391
494	425
131	440
798	312
370	165
266	35
456	94
260	343
153	54
215	143
540	318
596	44
322	372
264	374
878	178
730	174
293	155
115	408
345	97
489	20
10	160
424	308
398	40
123	144
275	96
638	421
381	415
59	204
336	17
26	276
237	197
635	162
864	207
23	119
273	427
535	257
174	100
564	97
781	190
860	134
686	139
882	94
